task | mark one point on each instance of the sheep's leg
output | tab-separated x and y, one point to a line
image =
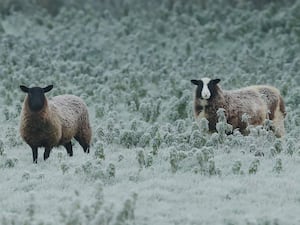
68	146
34	154
86	149
47	153
85	146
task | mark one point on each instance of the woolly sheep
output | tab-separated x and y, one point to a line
258	102
51	123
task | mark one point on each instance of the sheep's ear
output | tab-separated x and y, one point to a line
216	81
24	88
196	82
48	88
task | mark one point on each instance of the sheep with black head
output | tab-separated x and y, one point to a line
51	123
259	103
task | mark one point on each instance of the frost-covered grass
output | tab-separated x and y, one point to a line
150	163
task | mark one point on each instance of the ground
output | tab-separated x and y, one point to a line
150	162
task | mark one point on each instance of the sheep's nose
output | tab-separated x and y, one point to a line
206	96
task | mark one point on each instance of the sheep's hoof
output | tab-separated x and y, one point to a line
46	156
34	154
69	149
47	153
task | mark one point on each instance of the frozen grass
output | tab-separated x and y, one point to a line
150	163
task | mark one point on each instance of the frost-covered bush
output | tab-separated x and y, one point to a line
291	148
133	65
150	110
179	108
173	160
127	215
145	140
141	158
253	168
10	162
208	168
277	148
1	148
99	151
111	170
236	168
11	136
278	165
128	138
197	139
98	211
100	111
155	143
223	128
90	170
203	126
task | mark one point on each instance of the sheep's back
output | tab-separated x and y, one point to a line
258	97
72	112
273	99
246	101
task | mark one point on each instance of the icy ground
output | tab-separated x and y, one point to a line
150	163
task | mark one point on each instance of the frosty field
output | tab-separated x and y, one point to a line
150	162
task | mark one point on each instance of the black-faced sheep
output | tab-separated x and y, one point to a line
258	102
51	123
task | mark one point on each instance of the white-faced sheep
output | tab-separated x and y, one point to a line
51	123
258	102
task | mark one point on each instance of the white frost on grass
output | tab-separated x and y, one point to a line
150	163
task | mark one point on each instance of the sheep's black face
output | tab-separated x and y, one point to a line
36	96
206	88
36	99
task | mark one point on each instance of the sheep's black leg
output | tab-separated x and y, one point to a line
47	153
34	154
68	146
86	147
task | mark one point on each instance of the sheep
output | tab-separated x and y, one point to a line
51	123
259	103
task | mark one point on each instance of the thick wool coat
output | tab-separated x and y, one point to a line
258	102
62	118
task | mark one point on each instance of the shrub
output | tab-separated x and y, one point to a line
99	152
254	166
236	168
